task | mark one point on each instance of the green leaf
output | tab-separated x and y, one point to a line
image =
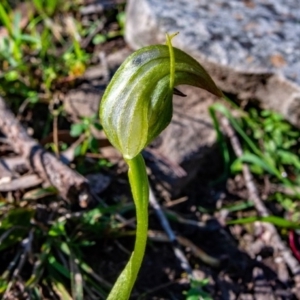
58	267
254	159
93	144
76	278
3	285
235	124
277	221
33	97
97	126
222	143
77	129
29	38
16	26
17	217
4	18
14	226
58	229
61	290
196	291
289	158
121	17
12	75
99	39
238	206
39	193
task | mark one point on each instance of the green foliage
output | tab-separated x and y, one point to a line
100	38
35	57
196	291
14	226
85	128
270	147
55	259
42	241
278	221
277	138
271	156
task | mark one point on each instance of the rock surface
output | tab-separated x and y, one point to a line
250	47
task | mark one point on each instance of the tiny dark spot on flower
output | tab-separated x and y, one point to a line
137	61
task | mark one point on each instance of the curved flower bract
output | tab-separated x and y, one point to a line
137	104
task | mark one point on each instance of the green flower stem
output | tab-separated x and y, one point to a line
140	190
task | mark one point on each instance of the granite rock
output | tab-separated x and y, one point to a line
250	47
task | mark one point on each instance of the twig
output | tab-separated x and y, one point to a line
22	108
76	278
284	189
88	270
157	288
8	232
182	220
285	252
68	155
70	184
253	193
55	135
11	266
175	202
197	252
105	66
24	182
6	175
16	164
209	260
21	256
118	217
85	42
167	228
27	245
122	248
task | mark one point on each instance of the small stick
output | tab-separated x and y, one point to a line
85	42
55	135
197	252
253	193
285	252
71	185
24	182
157	288
171	236
182	220
22	255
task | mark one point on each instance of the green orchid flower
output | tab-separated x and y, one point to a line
136	107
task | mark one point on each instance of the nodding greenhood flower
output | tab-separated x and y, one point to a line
137	104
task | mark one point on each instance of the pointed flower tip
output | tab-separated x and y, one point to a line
169	37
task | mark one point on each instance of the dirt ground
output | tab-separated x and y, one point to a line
249	267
